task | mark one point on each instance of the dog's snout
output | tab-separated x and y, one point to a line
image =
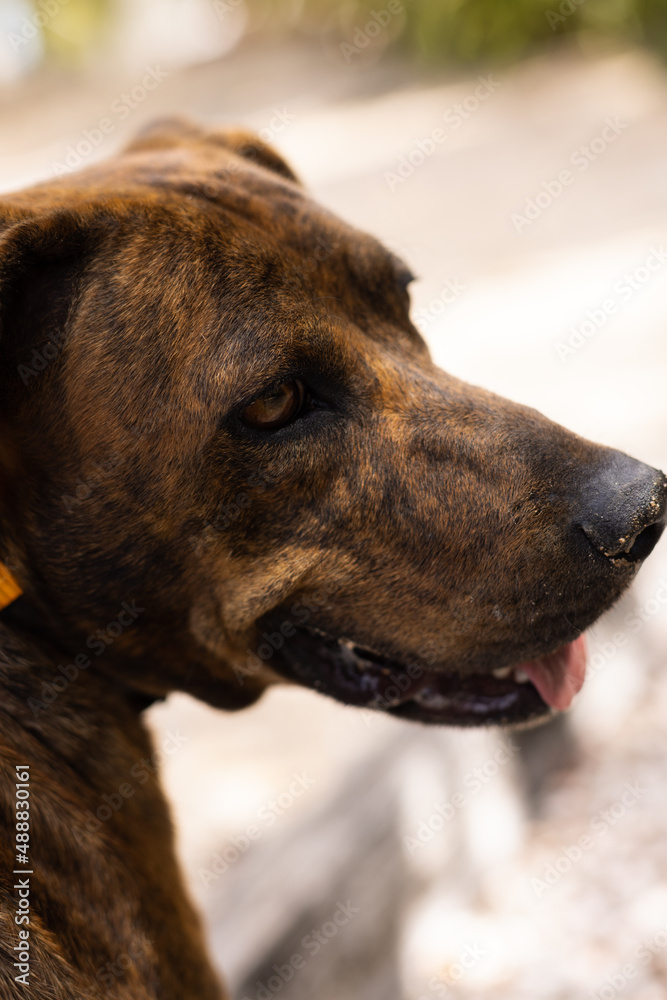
624	509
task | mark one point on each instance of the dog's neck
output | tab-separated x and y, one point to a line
40	634
139	672
38	637
84	746
100	821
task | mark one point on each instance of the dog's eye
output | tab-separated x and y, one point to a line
277	409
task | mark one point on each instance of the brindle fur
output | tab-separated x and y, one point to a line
170	285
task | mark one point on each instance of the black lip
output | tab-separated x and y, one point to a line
357	676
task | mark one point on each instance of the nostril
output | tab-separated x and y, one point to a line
645	542
632	548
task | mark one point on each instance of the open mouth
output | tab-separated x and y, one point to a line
509	695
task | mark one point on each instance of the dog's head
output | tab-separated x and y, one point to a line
227	460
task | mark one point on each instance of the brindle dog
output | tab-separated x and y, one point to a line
227	461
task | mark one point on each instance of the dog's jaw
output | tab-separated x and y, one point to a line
361	677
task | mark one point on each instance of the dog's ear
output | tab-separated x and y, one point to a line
42	260
169	132
44	253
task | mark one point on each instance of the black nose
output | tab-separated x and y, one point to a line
624	508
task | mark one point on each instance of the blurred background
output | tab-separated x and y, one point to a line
514	152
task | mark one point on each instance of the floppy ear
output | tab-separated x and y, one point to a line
169	132
43	256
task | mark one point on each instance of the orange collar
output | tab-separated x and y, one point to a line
9	588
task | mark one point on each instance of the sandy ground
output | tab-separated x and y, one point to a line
565	312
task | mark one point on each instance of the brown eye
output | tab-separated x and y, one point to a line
276	410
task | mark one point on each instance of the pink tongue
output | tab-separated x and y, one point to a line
560	675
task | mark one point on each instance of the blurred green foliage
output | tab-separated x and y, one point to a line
469	31
435	31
